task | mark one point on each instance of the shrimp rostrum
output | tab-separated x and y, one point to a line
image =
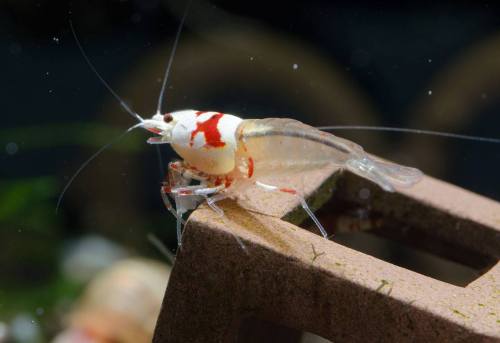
222	151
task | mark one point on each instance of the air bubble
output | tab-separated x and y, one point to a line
15	49
11	148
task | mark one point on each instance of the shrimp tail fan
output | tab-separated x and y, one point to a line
387	175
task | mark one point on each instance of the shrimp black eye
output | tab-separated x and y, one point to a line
167	118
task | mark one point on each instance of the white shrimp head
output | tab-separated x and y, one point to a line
162	125
205	140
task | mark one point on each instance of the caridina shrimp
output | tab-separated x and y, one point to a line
221	152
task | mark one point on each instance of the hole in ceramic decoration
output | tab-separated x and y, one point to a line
356	225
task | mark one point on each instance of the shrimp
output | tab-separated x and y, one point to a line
222	151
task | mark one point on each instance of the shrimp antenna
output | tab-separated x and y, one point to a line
171	59
108	87
158	244
405	130
90	159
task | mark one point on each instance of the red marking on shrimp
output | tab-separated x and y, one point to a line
240	135
167	189
250	167
199	113
210	130
243	144
154	130
185	192
288	190
218	181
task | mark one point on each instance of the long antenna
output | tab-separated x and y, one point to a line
171	59
87	59
97	153
405	130
153	239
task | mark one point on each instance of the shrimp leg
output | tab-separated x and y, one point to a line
164	191
172	180
211	201
303	203
195	192
187	198
176	185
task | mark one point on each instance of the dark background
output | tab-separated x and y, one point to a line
429	65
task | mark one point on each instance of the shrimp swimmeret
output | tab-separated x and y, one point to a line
221	151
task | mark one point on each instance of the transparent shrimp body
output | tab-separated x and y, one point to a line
275	144
222	153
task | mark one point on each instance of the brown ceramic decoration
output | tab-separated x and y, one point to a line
294	278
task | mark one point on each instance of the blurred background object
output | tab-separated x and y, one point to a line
4	331
84	258
24	328
121	304
430	66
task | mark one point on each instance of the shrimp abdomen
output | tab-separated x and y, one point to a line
276	144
